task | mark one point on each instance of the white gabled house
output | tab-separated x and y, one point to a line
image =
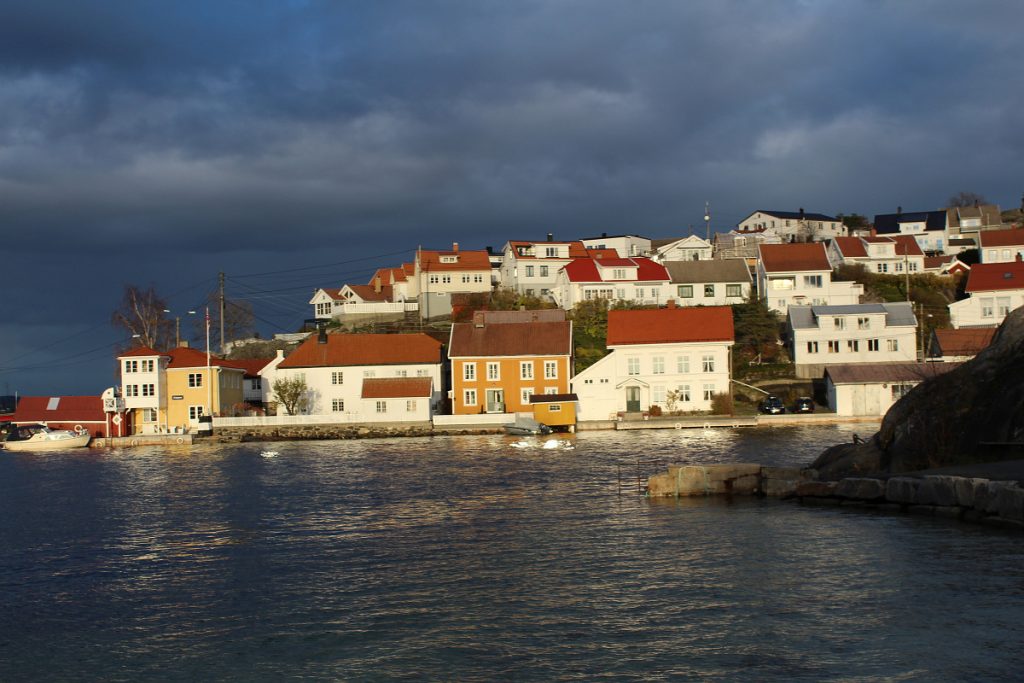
639	280
793	226
531	268
929	228
340	371
886	255
859	333
721	282
870	389
674	358
1001	246
798	275
994	289
626	246
691	248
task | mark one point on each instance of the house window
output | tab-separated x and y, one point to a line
709	391
543	271
883	267
709	291
684	393
410	406
149	415
658	394
812	347
469	397
900	390
401	373
323	309
423	373
434	279
550	369
131	390
526	369
195	379
639	292
839	323
524	396
812	281
446	279
986	307
338	405
465	279
469	372
892	344
529	271
494	371
682	364
478	278
195	412
1003	306
619	274
382	406
147	365
633	366
337	378
872	344
131	366
912	266
685	291
257	383
550	390
863	323
709	363
853	345
620	293
833	347
550	252
733	290
148	390
449	259
898	266
658	365
554	408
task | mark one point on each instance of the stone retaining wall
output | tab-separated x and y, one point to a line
323	431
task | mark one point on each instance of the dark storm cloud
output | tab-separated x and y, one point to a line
160	140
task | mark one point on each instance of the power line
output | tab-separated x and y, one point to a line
325	265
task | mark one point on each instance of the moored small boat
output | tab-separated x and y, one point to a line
524	426
41	438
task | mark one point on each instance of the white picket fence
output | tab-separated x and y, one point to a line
372	308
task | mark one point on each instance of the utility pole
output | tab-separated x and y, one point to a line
223	347
920	332
906	272
707	220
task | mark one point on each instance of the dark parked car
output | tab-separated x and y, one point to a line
804	404
772	405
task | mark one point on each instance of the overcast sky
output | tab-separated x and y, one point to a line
162	142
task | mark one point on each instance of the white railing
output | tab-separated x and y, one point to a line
383	307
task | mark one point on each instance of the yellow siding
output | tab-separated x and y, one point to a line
225	393
564	413
510	380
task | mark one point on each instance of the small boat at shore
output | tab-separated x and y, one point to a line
27	438
524	426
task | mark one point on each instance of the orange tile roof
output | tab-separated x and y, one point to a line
511	339
252	366
1002	238
397	387
576	248
388	276
670	325
364	349
991	277
965	341
850	247
333	293
430	261
68	409
594	252
183	357
141	351
786	258
370	293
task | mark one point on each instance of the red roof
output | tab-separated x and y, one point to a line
670	325
183	357
252	366
397	387
64	409
587	270
1002	238
851	247
965	341
991	277
594	252
333	293
364	349
370	293
787	258
547	338
576	248
388	276
141	351
430	261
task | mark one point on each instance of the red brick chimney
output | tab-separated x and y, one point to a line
455	247
376	284
671	303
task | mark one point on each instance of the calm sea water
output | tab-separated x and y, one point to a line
474	559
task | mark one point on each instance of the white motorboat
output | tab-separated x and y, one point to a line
42	438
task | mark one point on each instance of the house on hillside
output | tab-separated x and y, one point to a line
674	358
341	372
531	268
994	289
1001	246
793	226
252	383
966	224
709	283
638	280
440	274
798	275
870	389
945	265
859	333
502	358
927	227
626	246
956	346
691	248
885	255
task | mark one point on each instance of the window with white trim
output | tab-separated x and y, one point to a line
872	344
524	396
526	369
682	364
410	405
733	290
633	366
382	406
550	369
812	347
684	393
338	405
195	379
469	372
708	363
149	415
469	397
337	378
131	366
494	371
709	391
149	390
892	344
658	365
147	365
131	390
195	412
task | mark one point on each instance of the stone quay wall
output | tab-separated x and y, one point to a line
987	501
337	431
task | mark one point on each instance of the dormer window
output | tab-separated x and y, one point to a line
450	259
619	274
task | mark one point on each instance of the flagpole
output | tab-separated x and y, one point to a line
209	371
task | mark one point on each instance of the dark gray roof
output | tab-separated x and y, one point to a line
864	373
886	223
796	215
722	270
897	314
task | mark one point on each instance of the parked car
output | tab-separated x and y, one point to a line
804	404
772	405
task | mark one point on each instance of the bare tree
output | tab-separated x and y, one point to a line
239	322
966	199
291	393
141	314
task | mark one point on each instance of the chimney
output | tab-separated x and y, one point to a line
551	238
801	213
376	284
874	233
899	210
455	247
671	303
183	344
478	318
604	234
